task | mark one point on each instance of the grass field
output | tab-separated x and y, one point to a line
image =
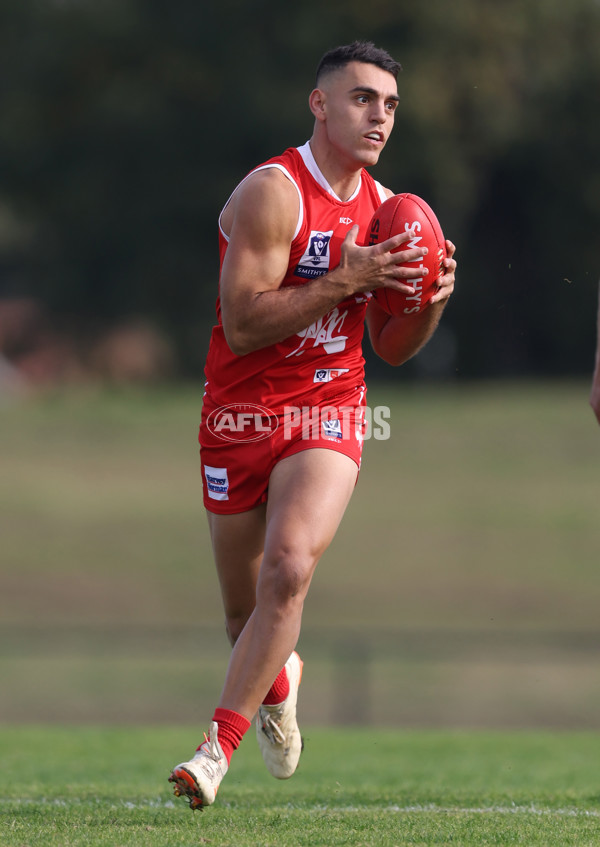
464	578
451	692
365	788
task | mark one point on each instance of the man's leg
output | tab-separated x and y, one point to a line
238	544
308	494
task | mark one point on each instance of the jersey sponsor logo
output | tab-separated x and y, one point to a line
346	221
217	482
315	260
325	331
327	374
242	422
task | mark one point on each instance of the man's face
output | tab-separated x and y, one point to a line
359	102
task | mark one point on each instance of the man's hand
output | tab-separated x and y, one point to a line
367	268
397	339
445	283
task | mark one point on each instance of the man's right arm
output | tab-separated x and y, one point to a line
260	221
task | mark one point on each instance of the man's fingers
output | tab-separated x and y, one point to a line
415	254
450	248
395	241
352	235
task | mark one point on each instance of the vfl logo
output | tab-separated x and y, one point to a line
327	374
242	422
332	429
318	246
315	260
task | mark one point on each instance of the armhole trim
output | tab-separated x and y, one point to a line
286	173
381	191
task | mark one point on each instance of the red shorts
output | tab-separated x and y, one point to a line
240	444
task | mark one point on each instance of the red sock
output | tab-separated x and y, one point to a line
232	727
279	690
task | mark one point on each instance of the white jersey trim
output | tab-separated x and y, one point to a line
381	191
264	168
313	169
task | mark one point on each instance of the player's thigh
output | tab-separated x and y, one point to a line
308	495
238	544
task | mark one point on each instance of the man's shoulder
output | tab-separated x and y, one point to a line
276	180
268	180
289	159
267	198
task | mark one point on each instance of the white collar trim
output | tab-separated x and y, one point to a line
313	168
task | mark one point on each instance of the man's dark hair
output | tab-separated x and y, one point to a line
358	51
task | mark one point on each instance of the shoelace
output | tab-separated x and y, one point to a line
211	753
271	728
210	748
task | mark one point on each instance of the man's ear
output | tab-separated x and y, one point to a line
316	102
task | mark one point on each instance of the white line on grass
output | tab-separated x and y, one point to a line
429	808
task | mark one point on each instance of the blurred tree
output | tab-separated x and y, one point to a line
126	124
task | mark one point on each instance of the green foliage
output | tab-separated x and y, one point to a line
126	125
377	789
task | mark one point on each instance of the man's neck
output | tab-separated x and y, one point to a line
343	180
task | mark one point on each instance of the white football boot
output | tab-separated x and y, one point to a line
199	779
277	730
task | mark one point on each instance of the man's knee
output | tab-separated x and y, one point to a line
285	581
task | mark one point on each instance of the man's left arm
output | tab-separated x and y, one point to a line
397	339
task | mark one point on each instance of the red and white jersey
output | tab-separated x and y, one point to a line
325	360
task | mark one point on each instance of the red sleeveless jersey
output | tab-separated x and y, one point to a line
325	360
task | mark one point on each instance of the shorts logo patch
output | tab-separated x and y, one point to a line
315	261
217	482
327	374
332	429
